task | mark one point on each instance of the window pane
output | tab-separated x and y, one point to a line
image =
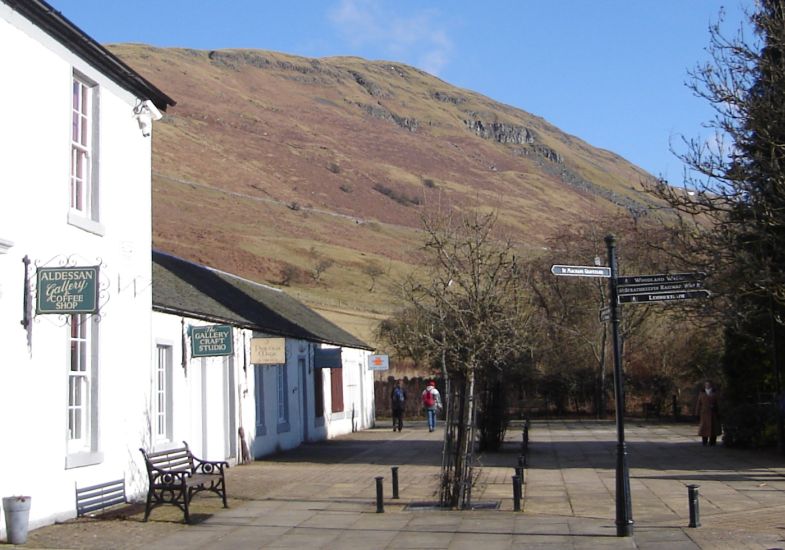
83	133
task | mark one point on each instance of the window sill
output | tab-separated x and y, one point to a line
79	460
91	226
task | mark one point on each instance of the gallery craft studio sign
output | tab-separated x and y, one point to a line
211	340
67	290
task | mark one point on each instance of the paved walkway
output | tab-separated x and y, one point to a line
323	496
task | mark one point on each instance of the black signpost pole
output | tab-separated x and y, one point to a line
624	521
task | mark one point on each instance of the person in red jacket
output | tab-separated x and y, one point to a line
432	402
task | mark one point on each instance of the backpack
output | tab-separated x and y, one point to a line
397	396
428	399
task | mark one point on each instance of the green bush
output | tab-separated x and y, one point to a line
749	426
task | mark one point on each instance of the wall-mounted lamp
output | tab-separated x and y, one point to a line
145	113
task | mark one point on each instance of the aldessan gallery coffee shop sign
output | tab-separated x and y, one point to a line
67	290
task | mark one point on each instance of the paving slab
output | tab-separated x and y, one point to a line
322	495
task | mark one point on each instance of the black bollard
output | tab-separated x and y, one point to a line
519	473
395	481
516	494
521	468
379	495
695	513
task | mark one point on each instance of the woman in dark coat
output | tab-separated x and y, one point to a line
708	410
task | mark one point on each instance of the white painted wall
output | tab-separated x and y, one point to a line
35	148
213	397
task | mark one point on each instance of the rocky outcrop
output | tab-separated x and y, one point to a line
501	132
444	97
310	71
540	150
378	111
369	86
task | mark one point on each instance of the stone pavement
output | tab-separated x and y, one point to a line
322	495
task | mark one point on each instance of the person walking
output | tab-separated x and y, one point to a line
398	401
432	402
708	411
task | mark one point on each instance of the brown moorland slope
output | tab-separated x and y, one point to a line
272	163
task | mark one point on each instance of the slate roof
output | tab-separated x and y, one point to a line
185	288
75	39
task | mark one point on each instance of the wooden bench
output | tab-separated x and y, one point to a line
175	475
100	497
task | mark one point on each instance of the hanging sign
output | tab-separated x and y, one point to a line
211	340
268	351
66	290
378	362
327	358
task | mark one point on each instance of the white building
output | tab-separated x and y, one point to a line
284	374
76	178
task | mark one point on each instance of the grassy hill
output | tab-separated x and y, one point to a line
271	163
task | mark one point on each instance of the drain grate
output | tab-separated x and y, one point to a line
435	505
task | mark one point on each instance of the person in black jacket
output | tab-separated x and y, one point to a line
398	400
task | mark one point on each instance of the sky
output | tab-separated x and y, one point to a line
611	72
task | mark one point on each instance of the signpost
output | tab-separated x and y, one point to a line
662	278
634	289
624	521
605	314
581	271
659	288
662	297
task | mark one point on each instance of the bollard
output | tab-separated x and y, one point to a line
520	474
379	495
695	514
522	467
395	481
516	494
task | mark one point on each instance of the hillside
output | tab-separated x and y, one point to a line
271	163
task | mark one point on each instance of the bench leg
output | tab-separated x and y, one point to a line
223	492
187	498
147	506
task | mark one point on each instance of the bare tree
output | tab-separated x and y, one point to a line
320	263
468	314
373	270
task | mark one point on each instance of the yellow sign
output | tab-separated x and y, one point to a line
268	351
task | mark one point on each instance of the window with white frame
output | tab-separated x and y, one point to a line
83	179
162	394
82	385
283	399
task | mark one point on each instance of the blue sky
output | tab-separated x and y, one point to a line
611	72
